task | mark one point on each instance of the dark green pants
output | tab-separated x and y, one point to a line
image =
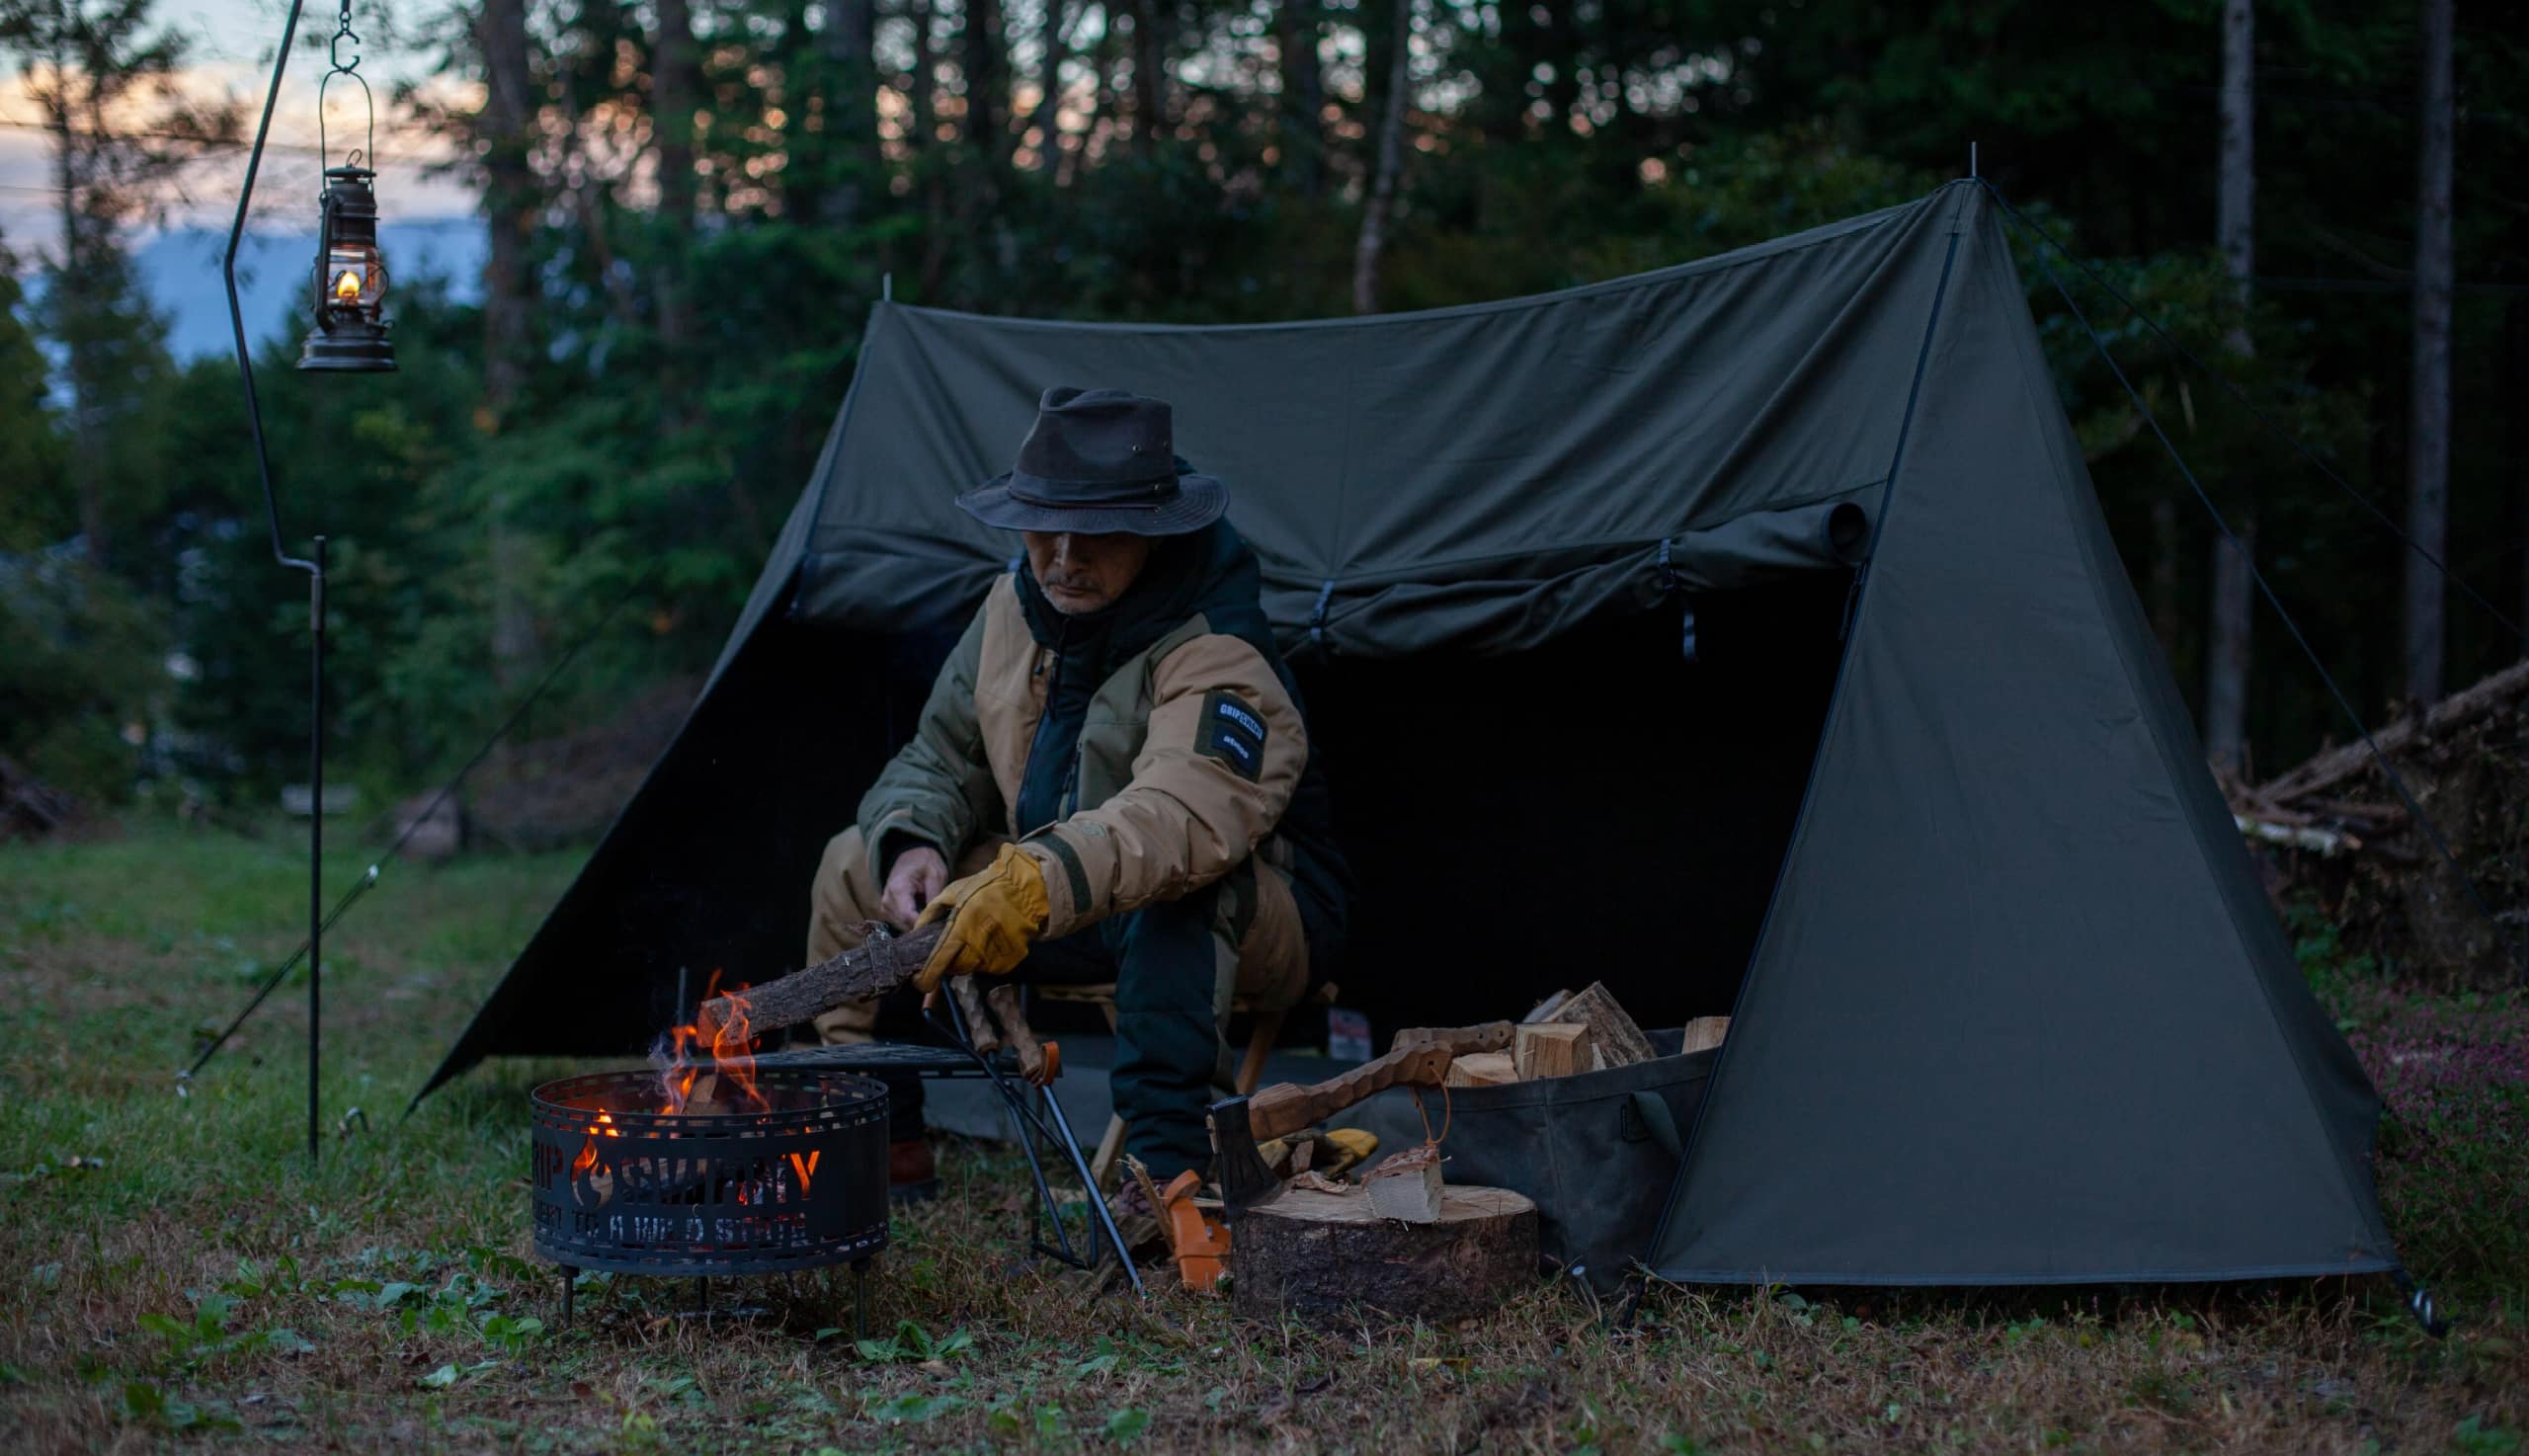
1172	963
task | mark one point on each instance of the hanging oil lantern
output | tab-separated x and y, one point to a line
350	334
351	281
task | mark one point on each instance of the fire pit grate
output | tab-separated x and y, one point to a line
793	1177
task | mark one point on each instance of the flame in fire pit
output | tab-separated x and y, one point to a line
731	1048
730	1071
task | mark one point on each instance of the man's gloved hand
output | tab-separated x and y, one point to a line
993	917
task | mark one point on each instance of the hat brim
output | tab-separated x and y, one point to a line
1198	502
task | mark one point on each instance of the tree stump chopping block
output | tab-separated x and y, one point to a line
1328	1259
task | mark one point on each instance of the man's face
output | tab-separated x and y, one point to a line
1084	573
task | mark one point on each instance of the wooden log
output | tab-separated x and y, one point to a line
874	968
1559	1049
1484	1069
1407	1185
1703	1034
1330	1259
1620	1041
2451	714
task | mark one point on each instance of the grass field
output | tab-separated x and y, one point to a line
174	1275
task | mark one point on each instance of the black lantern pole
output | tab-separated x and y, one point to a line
355	314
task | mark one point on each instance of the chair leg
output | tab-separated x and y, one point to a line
1110	1148
1268	1029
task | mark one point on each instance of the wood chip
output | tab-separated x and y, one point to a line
1407	1186
1703	1034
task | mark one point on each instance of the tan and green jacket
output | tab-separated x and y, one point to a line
1179	750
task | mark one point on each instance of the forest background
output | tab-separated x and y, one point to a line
688	205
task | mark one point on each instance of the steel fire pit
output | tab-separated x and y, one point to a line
722	1187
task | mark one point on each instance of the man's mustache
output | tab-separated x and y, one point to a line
1071	584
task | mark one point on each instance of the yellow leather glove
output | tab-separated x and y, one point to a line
993	917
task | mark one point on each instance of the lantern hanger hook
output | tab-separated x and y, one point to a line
350	68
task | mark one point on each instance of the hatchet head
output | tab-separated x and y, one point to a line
1245	1179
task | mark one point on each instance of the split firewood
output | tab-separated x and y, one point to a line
1546	1008
1484	1069
1610	1030
875	967
1703	1034
1556	1049
1407	1186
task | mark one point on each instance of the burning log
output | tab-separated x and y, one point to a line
879	965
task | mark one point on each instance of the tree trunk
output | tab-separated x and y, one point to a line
852	107
987	91
2515	379
1150	74
674	95
2164	572
1046	119
2229	647
1381	204
2428	427
509	207
2236	204
922	102
1303	84
1331	1260
86	447
2227	653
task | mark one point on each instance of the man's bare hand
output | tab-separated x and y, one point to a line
920	874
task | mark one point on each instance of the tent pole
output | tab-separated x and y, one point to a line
315	583
315	845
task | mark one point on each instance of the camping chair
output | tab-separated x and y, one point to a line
1251	1067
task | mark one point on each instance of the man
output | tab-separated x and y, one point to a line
1114	763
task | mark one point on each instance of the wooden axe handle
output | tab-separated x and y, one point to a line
1287	1107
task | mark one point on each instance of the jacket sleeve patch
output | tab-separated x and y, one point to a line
1232	732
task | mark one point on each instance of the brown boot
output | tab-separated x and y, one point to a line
912	1176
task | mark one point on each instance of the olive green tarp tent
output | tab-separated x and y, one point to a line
1570	584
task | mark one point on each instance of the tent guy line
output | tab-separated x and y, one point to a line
368	877
2397	781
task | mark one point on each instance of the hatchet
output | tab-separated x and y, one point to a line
1419	1057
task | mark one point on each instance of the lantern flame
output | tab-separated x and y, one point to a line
347	288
